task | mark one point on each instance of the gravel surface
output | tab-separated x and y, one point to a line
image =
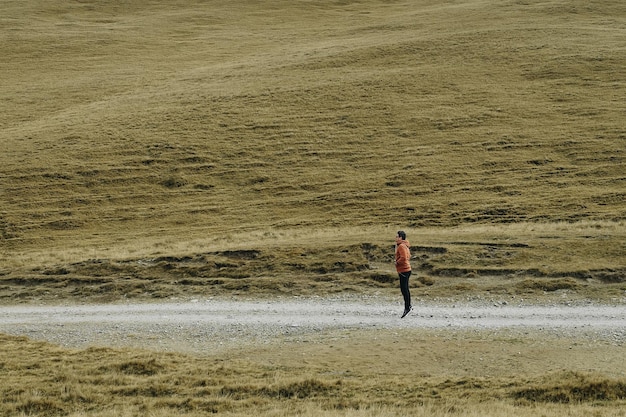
203	326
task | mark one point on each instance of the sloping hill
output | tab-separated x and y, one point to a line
134	128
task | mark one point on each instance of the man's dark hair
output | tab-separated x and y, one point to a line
402	235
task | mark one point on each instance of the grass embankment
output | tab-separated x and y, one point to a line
535	262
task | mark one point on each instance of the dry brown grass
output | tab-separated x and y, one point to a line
337	374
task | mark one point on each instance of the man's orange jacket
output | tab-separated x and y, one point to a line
403	256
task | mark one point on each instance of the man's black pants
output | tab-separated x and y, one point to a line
404	287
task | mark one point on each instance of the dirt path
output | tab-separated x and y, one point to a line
207	325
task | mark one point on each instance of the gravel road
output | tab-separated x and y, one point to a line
206	325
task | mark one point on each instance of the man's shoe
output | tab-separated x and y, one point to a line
407	311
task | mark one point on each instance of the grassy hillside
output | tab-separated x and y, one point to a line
492	131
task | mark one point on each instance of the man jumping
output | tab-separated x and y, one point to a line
403	267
